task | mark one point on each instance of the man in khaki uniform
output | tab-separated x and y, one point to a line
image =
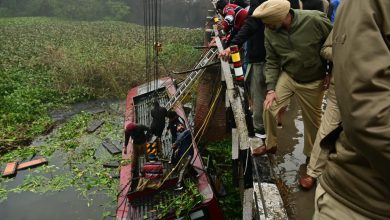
356	181
330	121
293	39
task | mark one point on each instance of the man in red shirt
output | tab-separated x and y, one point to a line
234	17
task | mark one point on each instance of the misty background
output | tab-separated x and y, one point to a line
179	13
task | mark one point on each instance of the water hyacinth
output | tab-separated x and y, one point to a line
49	62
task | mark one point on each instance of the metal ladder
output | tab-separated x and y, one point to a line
194	75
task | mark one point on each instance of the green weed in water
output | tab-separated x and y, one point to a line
79	166
47	63
230	203
182	204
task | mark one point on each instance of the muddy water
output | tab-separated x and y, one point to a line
62	205
66	204
291	165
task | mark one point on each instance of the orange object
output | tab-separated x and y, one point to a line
10	169
32	163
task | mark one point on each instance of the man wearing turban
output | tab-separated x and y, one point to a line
293	40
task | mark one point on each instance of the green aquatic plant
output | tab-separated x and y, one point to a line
181	204
78	167
47	63
221	152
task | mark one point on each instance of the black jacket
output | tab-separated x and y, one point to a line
313	5
140	135
294	4
253	32
158	120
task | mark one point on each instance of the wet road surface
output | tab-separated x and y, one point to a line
290	164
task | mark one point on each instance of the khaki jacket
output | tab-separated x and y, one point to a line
358	172
297	52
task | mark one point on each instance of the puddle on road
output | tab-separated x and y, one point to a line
290	155
290	165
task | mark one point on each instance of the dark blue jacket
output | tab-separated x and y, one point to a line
183	142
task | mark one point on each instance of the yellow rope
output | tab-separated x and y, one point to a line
202	128
209	113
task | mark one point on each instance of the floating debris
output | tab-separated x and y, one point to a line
94	125
111	147
10	169
32	163
111	164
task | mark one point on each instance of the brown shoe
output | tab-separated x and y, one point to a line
263	150
307	182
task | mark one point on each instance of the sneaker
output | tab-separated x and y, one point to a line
260	133
178	187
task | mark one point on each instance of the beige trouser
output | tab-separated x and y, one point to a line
330	121
327	207
309	97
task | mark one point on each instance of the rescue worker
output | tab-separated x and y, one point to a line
174	121
330	121
184	152
293	39
158	114
138	133
356	181
234	17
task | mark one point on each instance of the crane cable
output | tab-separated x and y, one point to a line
152	36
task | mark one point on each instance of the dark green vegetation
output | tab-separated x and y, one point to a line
46	63
221	154
181	204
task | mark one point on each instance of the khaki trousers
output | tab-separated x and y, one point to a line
330	121
327	207
309	97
